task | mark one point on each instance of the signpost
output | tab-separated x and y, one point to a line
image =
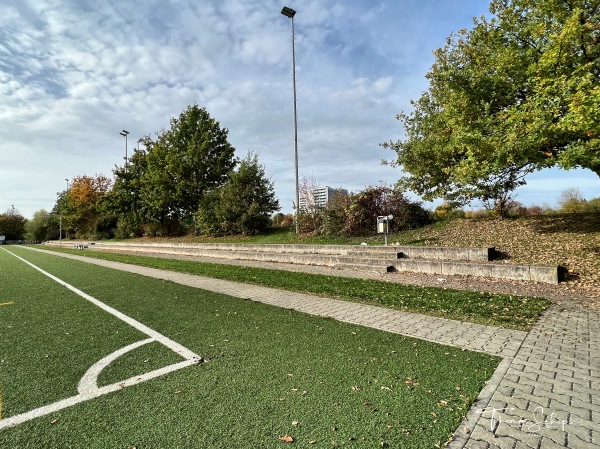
383	225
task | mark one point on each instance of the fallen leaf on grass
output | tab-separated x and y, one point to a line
411	382
287	439
54	421
296	423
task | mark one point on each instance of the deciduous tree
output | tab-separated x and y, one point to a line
83	210
12	224
185	163
37	228
243	205
125	198
516	93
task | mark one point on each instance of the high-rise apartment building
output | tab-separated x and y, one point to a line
319	197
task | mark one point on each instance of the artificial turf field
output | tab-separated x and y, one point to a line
268	374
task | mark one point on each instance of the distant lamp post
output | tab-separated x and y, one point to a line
60	229
124	134
60	218
289	12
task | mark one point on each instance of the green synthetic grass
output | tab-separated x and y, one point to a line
45	323
514	312
270	372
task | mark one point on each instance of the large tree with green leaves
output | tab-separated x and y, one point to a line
516	93
185	163
125	199
243	205
38	227
12	224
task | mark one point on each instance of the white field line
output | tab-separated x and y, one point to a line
15	420
173	345
87	387
89	381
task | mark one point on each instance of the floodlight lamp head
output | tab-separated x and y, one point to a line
288	12
124	133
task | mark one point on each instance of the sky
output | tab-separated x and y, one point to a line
73	74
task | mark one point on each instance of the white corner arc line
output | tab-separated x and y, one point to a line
45	410
89	381
173	345
87	387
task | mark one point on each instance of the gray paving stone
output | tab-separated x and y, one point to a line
529	439
475	444
524	445
547	443
577	443
596	438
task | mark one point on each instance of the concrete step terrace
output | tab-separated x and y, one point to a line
431	260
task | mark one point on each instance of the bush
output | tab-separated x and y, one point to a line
333	216
594	205
446	210
128	228
366	206
105	227
533	211
571	201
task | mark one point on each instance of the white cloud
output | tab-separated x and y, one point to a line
73	74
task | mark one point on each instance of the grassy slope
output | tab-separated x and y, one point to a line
341	384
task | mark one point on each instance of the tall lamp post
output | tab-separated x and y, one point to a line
124	134
289	12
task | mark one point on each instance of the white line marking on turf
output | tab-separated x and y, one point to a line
173	345
89	381
15	420
87	387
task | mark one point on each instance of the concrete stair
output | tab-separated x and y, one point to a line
443	261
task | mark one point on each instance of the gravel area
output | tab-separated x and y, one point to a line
564	294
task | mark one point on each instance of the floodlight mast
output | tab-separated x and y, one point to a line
290	13
124	134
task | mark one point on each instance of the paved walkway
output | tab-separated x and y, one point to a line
544	395
550	395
